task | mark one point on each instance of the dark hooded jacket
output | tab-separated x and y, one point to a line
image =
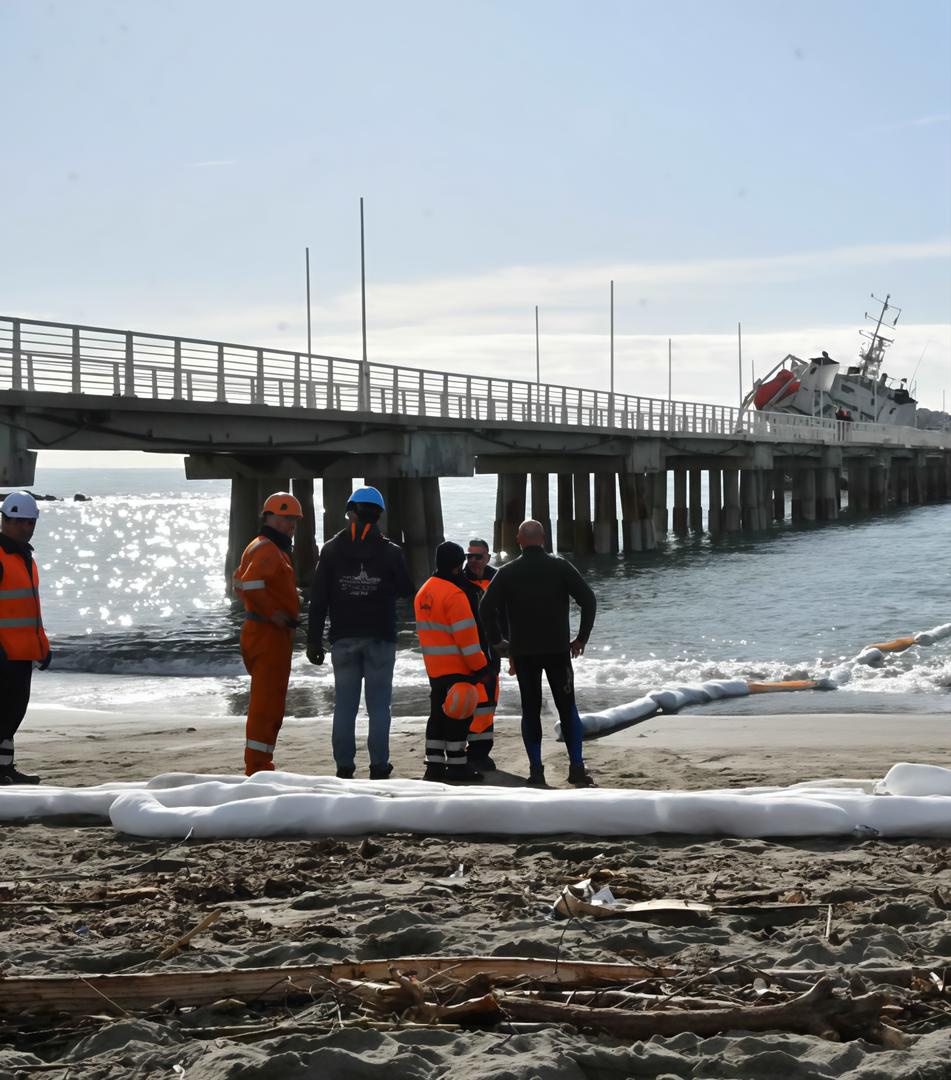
357	582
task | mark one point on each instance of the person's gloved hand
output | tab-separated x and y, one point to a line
501	648
45	662
315	653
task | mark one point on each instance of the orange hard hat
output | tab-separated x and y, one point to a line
461	701
283	504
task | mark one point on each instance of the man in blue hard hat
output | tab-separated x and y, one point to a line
359	577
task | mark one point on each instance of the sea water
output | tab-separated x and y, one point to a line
141	621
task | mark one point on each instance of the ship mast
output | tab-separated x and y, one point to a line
874	352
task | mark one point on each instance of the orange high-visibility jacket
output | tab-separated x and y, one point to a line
21	622
265	581
448	634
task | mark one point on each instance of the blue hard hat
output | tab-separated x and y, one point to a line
367	495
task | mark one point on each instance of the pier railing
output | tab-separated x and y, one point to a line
41	356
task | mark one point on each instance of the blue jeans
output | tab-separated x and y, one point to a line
358	662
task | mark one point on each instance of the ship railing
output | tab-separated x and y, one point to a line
50	357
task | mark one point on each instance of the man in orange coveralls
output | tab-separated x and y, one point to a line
266	583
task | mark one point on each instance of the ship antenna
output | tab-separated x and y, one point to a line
875	351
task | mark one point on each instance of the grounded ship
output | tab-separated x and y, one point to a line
818	388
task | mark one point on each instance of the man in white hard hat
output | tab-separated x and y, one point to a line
23	641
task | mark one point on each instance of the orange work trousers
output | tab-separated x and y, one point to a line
266	651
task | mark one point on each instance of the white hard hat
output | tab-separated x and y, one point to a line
20	504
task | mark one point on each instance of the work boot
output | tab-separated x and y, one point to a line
536	776
10	774
580	777
485	764
435	772
345	772
463	774
380	772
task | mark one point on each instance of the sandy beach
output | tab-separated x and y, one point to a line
81	899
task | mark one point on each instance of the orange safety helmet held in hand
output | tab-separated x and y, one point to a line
461	701
283	504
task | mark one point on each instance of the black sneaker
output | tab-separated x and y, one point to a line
345	772
435	772
380	772
580	777
463	774
10	774
536	776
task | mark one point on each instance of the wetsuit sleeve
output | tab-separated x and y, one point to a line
319	600
583	596
491	610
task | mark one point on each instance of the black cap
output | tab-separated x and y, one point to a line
449	555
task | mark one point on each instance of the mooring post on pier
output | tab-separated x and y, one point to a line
658	491
715	501
731	500
680	501
584	534
541	504
605	513
305	543
566	512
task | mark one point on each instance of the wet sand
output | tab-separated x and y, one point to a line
312	901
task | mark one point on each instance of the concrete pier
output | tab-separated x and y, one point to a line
779	494
305	541
878	487
605	514
658	488
336	491
637	523
696	507
514	488
715	498
566	513
680	502
541	505
804	494
827	497
731	501
584	534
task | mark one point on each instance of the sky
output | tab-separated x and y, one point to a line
164	165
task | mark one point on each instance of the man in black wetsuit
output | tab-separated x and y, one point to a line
532	594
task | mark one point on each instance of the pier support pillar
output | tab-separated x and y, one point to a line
541	504
919	487
584	535
804	494
499	513
731	500
752	499
696	508
714	514
514	486
432	504
902	483
779	494
878	487
858	488
305	542
336	491
566	513
637	525
243	522
605	513
680	501
416	549
827	499
658	488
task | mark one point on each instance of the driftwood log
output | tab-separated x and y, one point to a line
84	994
817	1012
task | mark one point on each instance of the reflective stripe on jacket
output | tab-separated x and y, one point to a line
265	580
21	621
447	629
